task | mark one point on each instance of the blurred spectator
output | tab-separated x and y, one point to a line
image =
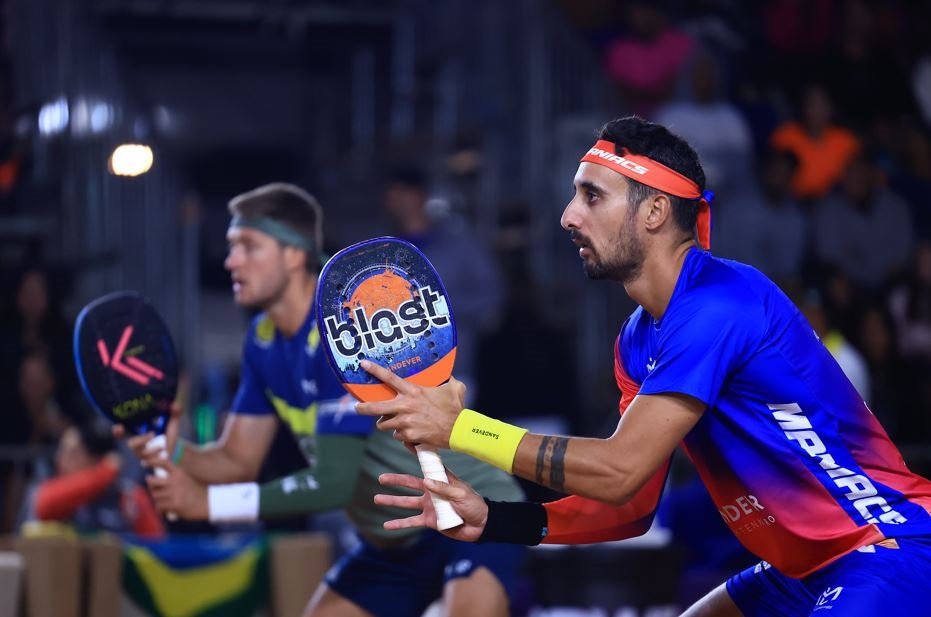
910	309
763	225
910	176
910	305
842	301
467	269
714	127
525	349
87	490
823	148
41	412
892	398
647	60
847	356
868	59
864	228
37	324
797	28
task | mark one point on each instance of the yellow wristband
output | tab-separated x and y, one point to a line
487	439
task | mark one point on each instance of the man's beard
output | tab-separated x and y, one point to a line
624	265
269	299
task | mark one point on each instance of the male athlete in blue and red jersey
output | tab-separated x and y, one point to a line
716	358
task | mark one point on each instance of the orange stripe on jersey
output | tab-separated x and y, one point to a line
628	387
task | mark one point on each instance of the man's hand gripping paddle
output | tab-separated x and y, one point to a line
381	300
127	365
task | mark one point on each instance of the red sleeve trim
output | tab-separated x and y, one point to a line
628	387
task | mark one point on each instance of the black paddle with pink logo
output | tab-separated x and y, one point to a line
127	364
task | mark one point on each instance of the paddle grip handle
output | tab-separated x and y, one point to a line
433	469
159	444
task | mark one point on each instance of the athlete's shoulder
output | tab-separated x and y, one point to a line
725	283
717	295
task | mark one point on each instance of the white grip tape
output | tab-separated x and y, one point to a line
158	443
432	468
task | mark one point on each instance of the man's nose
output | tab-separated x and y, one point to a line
569	220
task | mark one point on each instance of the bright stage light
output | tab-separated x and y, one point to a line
130	160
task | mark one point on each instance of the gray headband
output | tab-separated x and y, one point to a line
276	229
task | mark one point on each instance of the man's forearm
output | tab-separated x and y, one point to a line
328	487
546	460
590	470
211	464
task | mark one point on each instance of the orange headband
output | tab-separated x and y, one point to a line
654	174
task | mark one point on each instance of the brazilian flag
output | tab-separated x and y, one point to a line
197	576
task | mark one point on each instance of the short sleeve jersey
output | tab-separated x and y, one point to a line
290	377
796	463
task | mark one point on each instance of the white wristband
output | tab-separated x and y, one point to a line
230	503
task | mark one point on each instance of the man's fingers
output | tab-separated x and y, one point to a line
399	501
387	377
380	408
138	445
155	483
401	479
118	431
406	523
450	492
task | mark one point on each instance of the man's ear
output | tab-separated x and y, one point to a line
294	257
660	211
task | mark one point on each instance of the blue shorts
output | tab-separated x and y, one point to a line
874	580
404	581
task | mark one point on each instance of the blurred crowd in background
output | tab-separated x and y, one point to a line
813	122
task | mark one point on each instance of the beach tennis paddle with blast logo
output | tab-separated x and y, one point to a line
127	364
382	300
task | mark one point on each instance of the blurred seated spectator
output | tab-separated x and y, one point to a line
763	225
36	323
910	175
40	416
796	30
910	305
864	228
867	58
846	355
714	127
525	349
823	148
647	60
466	266
893	398
88	491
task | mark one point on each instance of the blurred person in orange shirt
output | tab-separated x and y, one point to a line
88	491
824	149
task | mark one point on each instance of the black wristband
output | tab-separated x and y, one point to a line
514	522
